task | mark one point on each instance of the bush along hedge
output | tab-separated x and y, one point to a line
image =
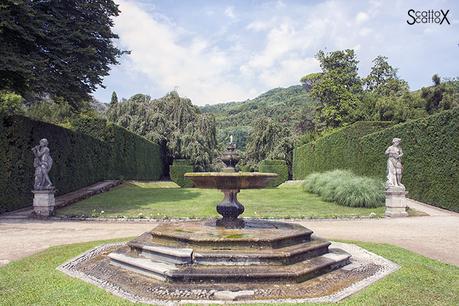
178	169
275	166
345	188
79	159
431	157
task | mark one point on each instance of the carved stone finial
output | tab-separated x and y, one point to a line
230	157
42	163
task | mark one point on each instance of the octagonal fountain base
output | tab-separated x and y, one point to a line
198	260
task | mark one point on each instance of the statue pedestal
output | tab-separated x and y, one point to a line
43	202
396	203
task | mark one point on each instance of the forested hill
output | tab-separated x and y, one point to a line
291	106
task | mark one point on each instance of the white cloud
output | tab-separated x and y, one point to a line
199	69
289	71
258	26
229	12
361	17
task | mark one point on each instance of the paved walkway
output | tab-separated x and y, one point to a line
432	236
23	237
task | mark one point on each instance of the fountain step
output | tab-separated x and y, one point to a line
282	256
163	253
297	272
228	256
256	234
147	267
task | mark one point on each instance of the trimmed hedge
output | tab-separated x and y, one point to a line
178	169
79	159
275	166
431	157
334	151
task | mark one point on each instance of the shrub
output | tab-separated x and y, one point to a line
79	159
275	166
178	169
10	103
345	188
431	159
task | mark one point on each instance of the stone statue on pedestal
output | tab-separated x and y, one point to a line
395	191
43	200
394	165
42	163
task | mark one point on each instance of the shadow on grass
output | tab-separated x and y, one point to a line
138	199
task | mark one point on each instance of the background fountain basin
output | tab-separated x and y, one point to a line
228	180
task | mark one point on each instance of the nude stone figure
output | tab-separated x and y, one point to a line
394	165
42	163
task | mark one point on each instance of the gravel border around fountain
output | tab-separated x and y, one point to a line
361	259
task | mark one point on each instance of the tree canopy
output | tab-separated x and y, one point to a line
344	97
268	139
56	48
337	88
173	122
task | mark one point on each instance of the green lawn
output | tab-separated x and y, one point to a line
35	281
166	200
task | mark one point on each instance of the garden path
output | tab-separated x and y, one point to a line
435	236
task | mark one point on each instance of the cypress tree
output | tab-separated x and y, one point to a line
114	99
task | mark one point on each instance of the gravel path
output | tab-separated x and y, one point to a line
435	236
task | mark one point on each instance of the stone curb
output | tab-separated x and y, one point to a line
147	220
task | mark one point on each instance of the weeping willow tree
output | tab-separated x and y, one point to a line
269	139
173	122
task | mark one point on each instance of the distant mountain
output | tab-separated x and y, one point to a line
291	106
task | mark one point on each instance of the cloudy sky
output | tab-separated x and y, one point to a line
218	51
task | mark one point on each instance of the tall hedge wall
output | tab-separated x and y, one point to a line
334	151
178	169
275	166
79	159
431	157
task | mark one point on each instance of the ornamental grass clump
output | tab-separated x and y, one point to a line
345	188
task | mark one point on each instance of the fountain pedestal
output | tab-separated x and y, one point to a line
230	209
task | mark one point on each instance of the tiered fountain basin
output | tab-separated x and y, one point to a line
200	251
229	249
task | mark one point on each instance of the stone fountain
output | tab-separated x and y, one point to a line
229	249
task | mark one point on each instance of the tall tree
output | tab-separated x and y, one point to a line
56	48
173	122
268	139
380	73
338	88
433	95
114	99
